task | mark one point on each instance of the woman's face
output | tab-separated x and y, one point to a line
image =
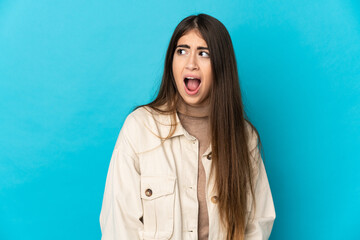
192	69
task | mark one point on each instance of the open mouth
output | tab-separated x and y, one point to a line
192	85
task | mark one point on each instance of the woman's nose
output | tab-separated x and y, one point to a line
192	63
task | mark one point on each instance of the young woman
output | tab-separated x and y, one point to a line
187	165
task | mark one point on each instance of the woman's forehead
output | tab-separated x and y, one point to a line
192	36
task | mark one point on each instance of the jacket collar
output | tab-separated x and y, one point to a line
180	130
164	126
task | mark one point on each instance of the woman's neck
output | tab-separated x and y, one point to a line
193	111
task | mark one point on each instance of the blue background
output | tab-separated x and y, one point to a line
71	71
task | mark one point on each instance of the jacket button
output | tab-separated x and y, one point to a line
148	192
208	156
214	199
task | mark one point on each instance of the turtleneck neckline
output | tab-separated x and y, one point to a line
193	111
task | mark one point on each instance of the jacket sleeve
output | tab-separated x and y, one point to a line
121	208
261	221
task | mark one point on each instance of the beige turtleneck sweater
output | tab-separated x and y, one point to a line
195	120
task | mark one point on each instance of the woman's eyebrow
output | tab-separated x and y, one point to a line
187	46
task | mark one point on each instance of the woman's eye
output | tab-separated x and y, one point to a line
181	51
204	54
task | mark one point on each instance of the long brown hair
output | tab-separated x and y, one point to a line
231	165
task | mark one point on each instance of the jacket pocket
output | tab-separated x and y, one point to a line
157	194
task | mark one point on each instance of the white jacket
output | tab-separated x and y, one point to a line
151	186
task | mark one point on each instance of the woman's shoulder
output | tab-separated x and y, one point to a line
135	130
252	135
145	115
145	127
137	119
140	113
